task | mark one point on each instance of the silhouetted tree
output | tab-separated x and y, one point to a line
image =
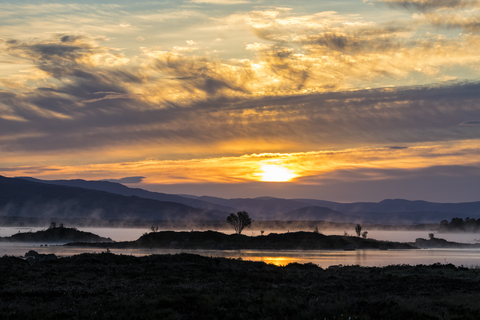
358	230
364	234
53	225
470	224
444	224
431	236
239	221
457	223
315	230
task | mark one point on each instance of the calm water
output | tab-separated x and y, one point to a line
323	258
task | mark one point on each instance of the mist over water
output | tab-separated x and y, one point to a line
323	258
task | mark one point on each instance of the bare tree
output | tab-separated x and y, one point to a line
239	221
358	230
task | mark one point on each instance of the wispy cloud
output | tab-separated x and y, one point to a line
431	4
450	14
471	123
220	1
126	180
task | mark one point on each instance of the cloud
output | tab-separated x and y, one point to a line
302	90
220	1
219	110
126	180
110	96
431	4
448	14
470	123
30	169
328	51
469	23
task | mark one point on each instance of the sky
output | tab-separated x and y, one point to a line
354	100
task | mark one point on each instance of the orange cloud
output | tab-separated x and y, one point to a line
299	168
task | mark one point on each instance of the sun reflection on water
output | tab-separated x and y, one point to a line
278	261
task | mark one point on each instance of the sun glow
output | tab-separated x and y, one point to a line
276	173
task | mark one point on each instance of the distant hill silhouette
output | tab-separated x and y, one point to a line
23	198
118	188
389	211
399	205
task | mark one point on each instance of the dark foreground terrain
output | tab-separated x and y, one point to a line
185	286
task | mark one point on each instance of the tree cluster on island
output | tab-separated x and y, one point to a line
460	225
358	231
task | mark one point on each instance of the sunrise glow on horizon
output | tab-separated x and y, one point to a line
276	173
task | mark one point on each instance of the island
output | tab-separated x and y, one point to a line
273	241
57	235
438	243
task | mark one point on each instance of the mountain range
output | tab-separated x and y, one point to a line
24	198
27	196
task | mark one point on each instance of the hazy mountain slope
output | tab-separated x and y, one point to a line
19	197
322	203
269	208
118	188
399	205
387	211
406	217
316	213
263	208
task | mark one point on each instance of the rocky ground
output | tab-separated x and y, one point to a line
185	286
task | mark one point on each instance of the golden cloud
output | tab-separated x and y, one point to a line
302	168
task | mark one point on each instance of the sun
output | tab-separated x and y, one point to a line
276	173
